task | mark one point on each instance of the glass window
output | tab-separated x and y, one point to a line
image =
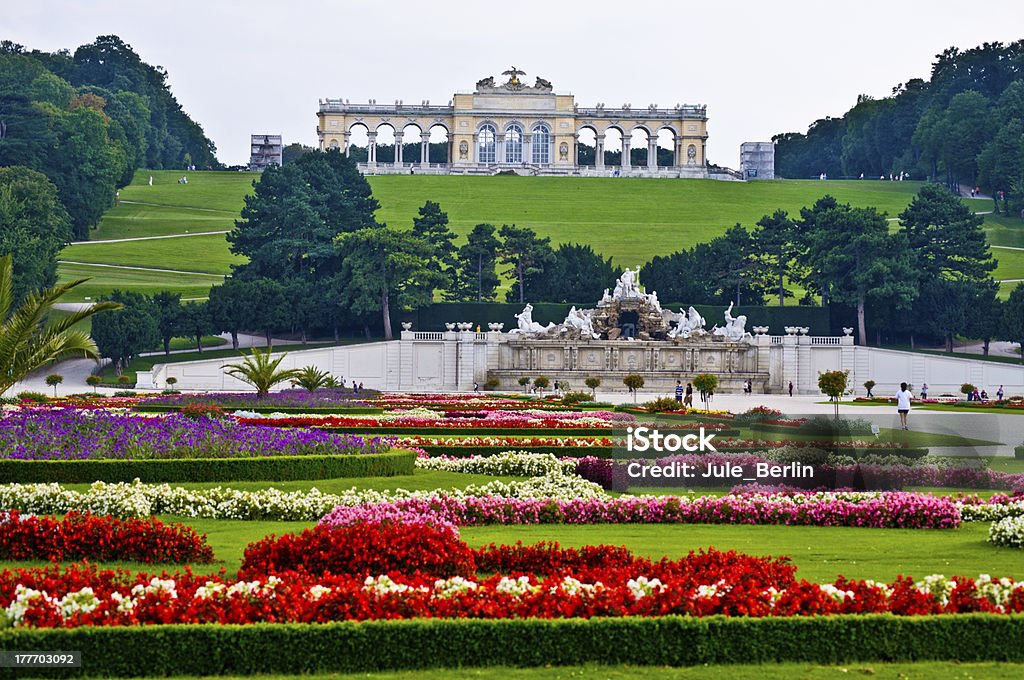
514	144
487	144
541	144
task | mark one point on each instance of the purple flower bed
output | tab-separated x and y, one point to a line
322	398
69	434
894	510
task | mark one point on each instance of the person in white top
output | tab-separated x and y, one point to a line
903	398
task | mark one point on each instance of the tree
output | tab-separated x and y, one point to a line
233	307
946	236
1013	317
633	382
132	330
477	278
382	267
196	322
432	228
311	378
29	339
706	384
593	383
774	239
53	380
169	317
34	227
261	371
574	273
93	381
292	152
541	383
833	385
527	254
523	382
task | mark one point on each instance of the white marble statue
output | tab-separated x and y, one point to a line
735	327
688	323
527	324
628	285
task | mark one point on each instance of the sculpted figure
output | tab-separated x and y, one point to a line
485	82
542	84
735	327
527	324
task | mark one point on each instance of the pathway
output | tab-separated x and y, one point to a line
182	207
141	269
148	238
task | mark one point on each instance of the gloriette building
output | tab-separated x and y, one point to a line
528	129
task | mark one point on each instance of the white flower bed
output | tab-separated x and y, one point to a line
509	463
1007	532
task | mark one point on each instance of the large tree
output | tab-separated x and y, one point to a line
527	254
946	236
1013	317
774	239
477	278
384	268
125	334
575	273
33	228
168	317
431	226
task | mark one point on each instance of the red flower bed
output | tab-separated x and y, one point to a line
362	550
94	537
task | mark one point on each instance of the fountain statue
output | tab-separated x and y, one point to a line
735	327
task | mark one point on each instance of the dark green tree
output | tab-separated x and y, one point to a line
196	322
383	268
775	249
233	307
169	317
431	226
575	274
478	278
123	334
946	236
1013	317
526	253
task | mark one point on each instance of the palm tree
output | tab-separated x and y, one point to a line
28	340
260	371
312	378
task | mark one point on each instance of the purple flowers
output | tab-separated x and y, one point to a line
67	434
320	398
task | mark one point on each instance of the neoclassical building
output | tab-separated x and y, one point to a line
529	129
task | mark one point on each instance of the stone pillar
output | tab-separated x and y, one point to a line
599	153
624	161
527	148
790	364
677	155
499	149
652	152
348	143
425	150
398	148
371	147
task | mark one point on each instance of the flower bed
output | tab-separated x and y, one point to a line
75	435
296	398
84	536
541	581
1008	532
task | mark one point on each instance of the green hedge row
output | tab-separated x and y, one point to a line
333	410
1018	452
418	644
271	468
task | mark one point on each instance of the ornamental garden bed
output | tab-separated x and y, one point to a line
324	410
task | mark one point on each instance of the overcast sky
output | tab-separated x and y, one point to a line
760	67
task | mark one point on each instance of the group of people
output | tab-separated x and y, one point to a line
684	395
183	180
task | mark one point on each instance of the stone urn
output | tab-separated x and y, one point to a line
450	326
407	325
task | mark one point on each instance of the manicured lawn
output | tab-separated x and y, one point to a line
104	280
926	670
135	220
207	254
212	190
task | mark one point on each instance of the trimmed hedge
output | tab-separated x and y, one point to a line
444	643
270	468
340	410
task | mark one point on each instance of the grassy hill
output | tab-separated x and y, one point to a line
629	219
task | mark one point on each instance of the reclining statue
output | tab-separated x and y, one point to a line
527	324
735	327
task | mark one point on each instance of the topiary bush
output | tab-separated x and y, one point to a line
662	404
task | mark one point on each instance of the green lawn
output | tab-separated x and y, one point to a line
222	191
104	280
134	220
922	670
208	254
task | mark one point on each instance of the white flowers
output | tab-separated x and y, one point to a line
455	585
383	585
837	594
1008	532
938	586
516	463
517	587
641	586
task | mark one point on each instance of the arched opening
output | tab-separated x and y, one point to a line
540	144
514	144
666	148
487	144
412	137
358	141
385	152
613	146
438	147
628	321
586	146
638	140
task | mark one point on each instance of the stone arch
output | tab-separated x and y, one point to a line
586	145
639	145
668	140
613	137
358	142
384	136
439	139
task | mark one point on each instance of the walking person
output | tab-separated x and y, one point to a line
476	388
903	398
1000	393
688	399
924	390
791	388
679	391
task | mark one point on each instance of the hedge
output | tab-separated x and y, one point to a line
263	469
339	410
1018	452
369	646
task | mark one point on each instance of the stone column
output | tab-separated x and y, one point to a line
652	152
424	150
599	153
346	137
677	156
499	149
371	147
527	147
624	161
398	148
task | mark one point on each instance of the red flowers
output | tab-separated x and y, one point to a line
362	550
93	537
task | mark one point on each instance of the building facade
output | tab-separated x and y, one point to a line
265	150
528	129
757	160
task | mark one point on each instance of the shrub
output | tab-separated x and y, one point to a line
1008	532
869	385
93	381
835	428
967	388
53	380
125	393
756	415
1018	452
575	397
200	411
172	381
123	380
492	384
94	537
366	549
523	382
661	404
37	397
541	382
833	385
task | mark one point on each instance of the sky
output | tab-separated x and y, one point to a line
761	68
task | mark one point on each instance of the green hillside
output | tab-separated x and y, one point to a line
629	219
